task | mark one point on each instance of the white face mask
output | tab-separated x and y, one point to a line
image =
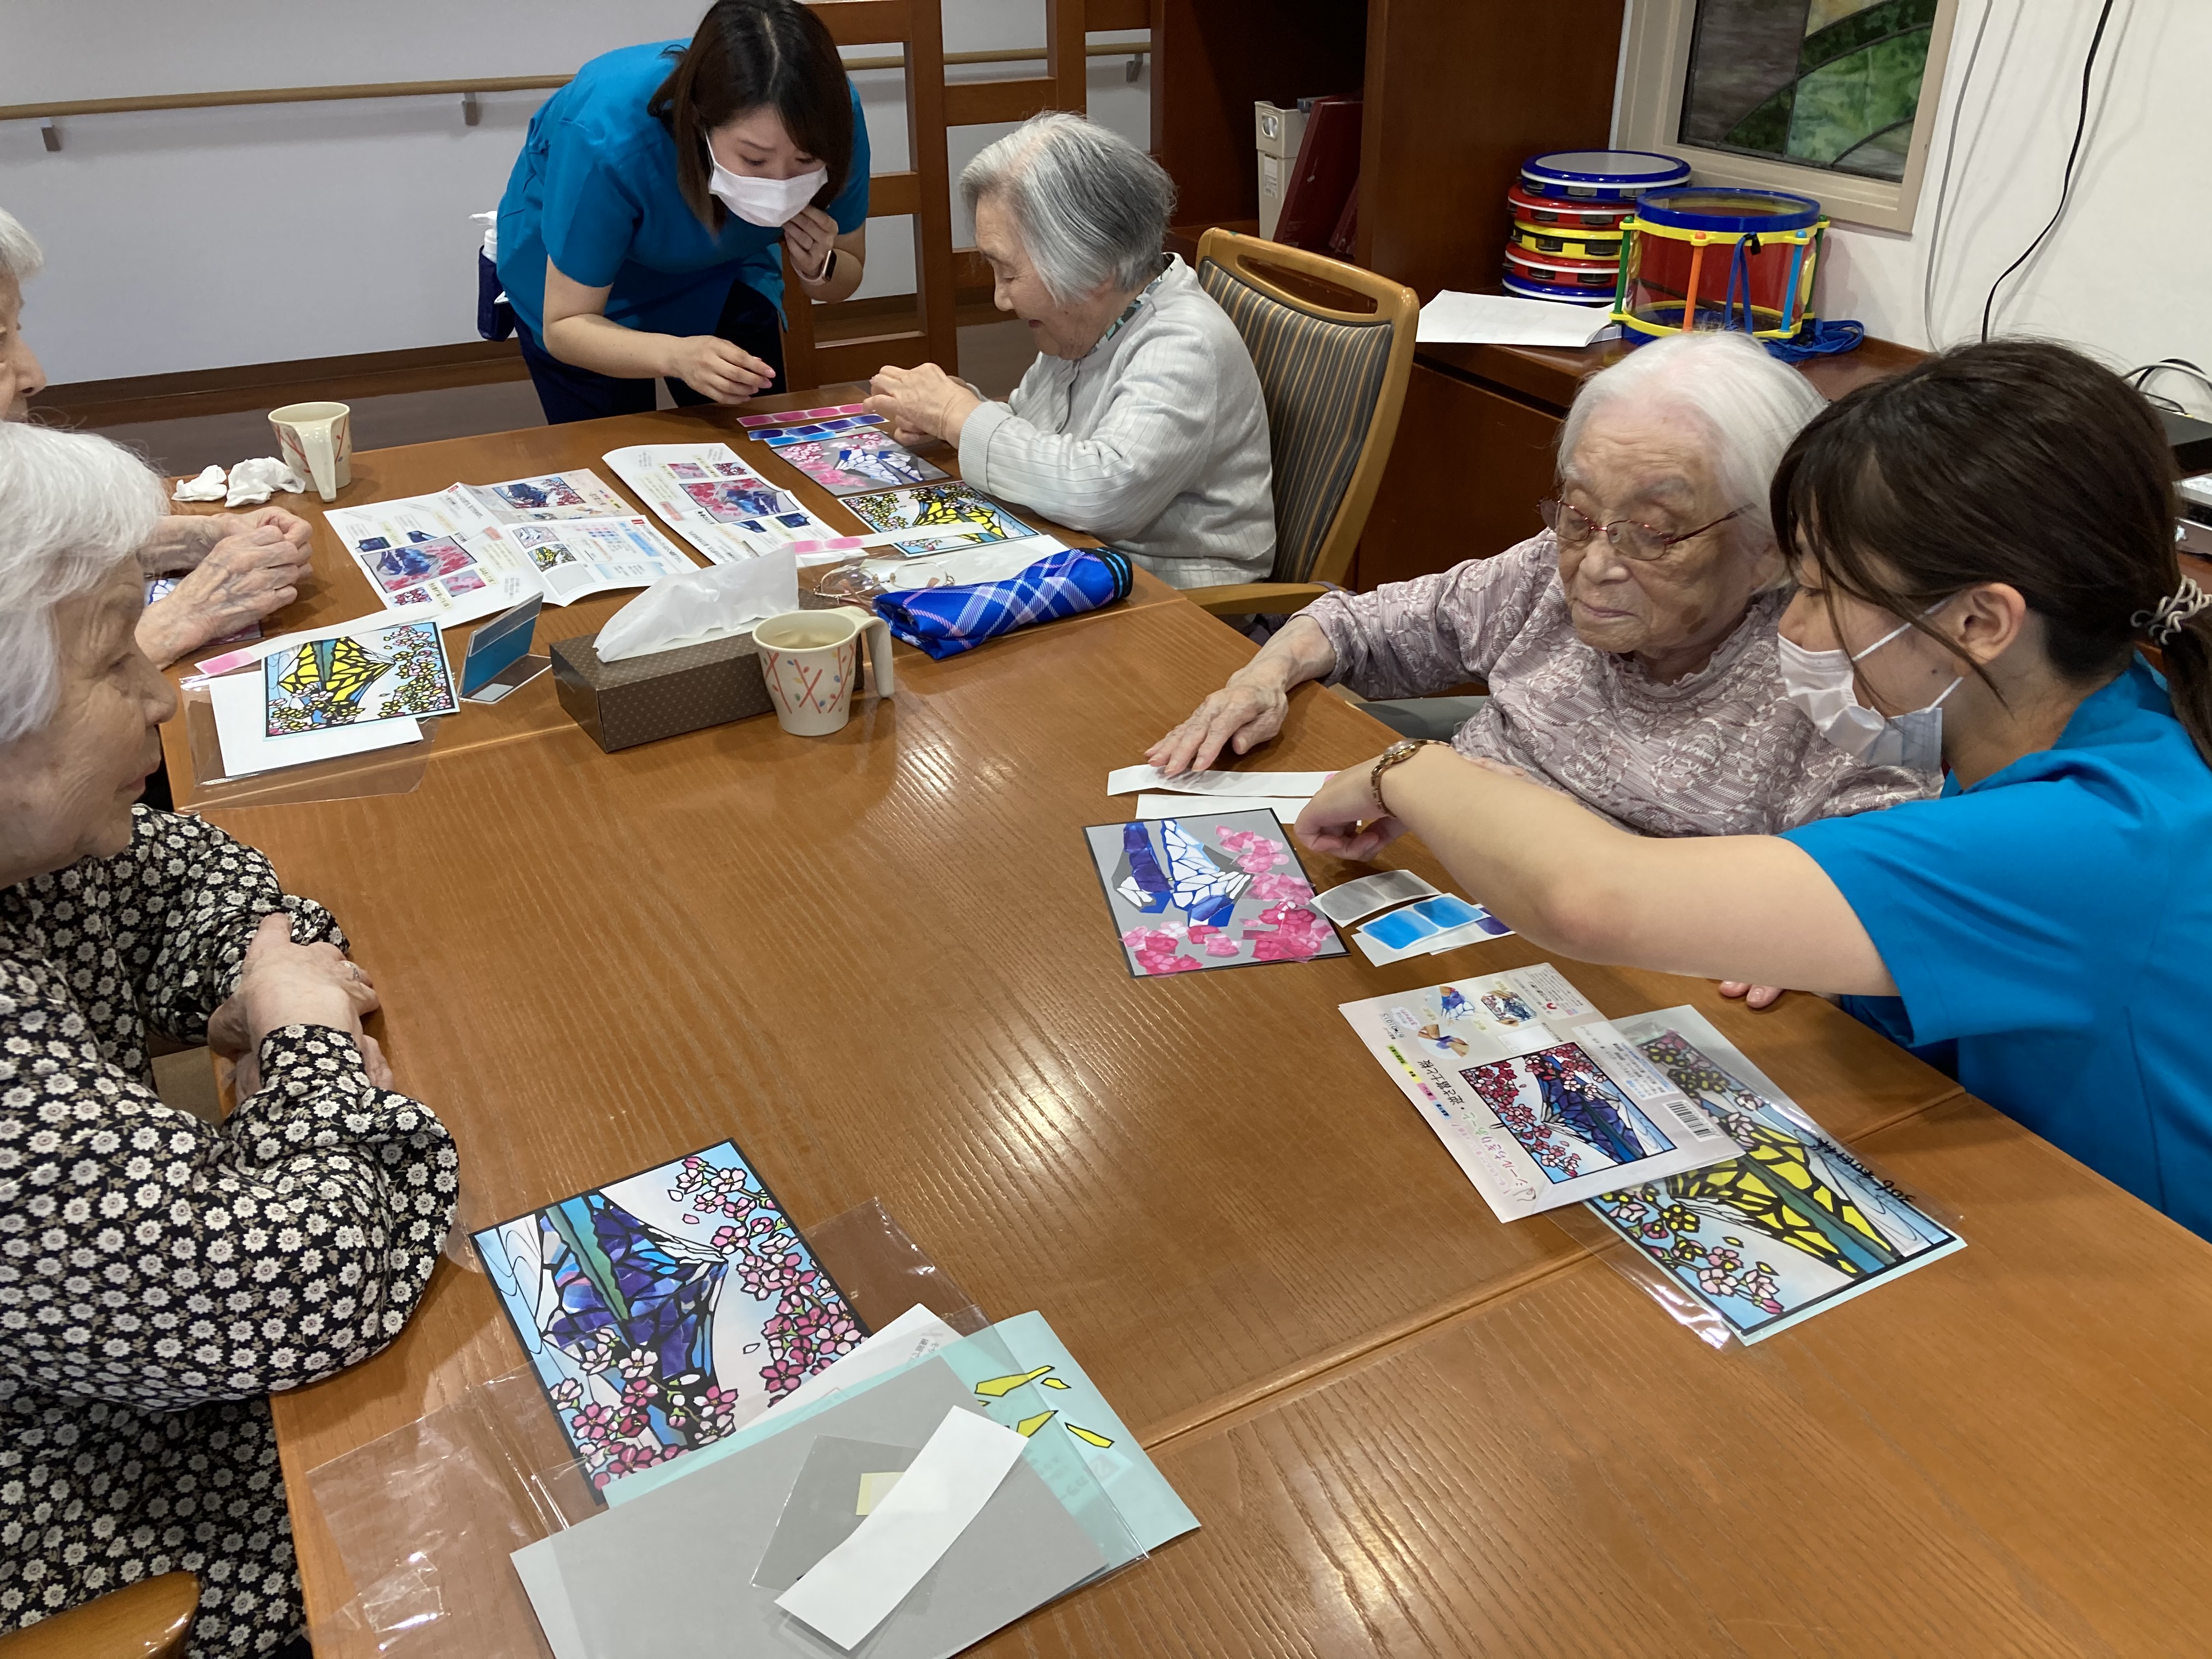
1825	691
767	202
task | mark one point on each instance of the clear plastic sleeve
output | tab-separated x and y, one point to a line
394	771
1794	1225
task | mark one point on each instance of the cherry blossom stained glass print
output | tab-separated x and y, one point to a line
1568	1115
1790	1226
1825	83
378	674
664	1310
1208	889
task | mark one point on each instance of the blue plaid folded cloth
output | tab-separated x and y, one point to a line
946	621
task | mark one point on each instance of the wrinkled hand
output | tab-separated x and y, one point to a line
1755	996
243	579
290	525
1333	821
1241	716
921	402
288	984
714	369
809	238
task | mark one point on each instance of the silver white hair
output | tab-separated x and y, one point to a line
1090	207
72	508
1750	405
19	256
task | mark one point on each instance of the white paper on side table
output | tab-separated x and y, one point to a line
1539	1102
1454	318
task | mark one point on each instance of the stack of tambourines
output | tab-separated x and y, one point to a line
1567	210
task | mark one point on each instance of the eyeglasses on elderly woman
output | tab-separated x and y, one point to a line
1631	539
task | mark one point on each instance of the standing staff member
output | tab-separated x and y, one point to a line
640	228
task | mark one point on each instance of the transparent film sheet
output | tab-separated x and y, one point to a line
1793	1224
397	770
426	1518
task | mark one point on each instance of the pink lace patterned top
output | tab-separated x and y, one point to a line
1719	752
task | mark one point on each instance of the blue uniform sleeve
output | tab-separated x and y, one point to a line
589	218
2001	909
849	206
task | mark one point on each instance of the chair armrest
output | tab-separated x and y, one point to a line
149	1620
1269	598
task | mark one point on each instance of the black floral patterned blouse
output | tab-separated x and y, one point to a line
160	1275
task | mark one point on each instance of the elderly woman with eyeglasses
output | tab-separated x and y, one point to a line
1141	421
160	1275
1630	649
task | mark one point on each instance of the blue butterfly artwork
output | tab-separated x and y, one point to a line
1208	889
666	1309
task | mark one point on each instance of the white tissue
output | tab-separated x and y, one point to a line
208	487
694	607
252	483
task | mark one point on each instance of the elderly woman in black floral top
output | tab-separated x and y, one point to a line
160	1275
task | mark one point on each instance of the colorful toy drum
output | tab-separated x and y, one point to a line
1588	276
1557	242
1601	175
1549	212
1573	296
1701	256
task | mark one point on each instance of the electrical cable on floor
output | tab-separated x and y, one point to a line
2066	184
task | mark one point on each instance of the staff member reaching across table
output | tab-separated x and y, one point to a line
642	230
1982	544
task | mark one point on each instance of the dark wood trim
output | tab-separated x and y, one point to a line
91	404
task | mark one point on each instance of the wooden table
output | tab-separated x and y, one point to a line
881	964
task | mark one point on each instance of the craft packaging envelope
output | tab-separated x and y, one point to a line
672	1572
1540	1103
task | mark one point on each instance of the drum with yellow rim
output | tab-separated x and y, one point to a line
1565	242
1715	257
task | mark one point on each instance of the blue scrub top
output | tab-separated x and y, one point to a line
595	188
2049	930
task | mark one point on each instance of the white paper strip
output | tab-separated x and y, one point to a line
854	1588
1285	808
1281	784
914	1332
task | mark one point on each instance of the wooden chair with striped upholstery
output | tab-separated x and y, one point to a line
1335	380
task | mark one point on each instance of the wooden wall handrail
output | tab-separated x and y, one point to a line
58	110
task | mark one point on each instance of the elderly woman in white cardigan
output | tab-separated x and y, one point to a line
1141	421
160	1276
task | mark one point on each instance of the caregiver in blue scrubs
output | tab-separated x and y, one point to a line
644	224
1984	544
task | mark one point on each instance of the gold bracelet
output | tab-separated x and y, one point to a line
1398	752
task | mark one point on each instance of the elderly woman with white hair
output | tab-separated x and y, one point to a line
1141	421
1630	648
160	1275
234	568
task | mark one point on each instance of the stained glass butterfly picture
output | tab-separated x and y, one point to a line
666	1309
1208	889
378	674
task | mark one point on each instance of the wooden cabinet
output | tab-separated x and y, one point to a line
1465	476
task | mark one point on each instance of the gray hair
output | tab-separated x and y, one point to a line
1089	205
19	257
72	508
1750	404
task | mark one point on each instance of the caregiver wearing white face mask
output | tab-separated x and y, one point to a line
2040	930
644	227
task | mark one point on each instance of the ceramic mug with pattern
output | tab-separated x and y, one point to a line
316	441
810	660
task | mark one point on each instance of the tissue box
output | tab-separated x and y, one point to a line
661	695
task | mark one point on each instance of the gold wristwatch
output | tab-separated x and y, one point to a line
1397	752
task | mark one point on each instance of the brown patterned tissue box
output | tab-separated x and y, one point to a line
663	693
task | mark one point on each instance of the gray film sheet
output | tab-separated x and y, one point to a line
1348	901
673	1572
